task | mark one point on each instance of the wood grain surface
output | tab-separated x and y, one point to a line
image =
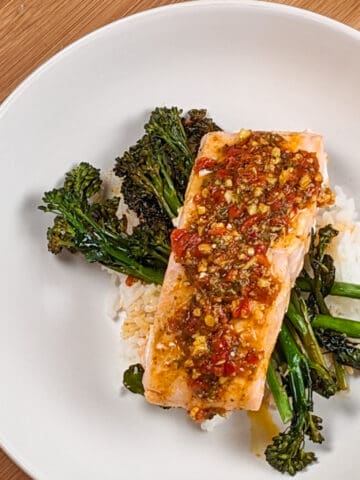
31	31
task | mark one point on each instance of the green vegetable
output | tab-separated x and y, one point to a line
287	452
196	125
340	289
323	380
346	351
343	289
165	124
341	325
94	230
335	335
322	282
156	170
278	390
146	169
132	378
340	337
322	265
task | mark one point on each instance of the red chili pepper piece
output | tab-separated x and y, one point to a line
181	240
242	310
234	212
261	248
263	260
252	358
276	205
217	231
204	163
218	196
223	173
233	151
254	219
130	281
229	368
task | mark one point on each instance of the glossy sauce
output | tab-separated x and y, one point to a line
262	429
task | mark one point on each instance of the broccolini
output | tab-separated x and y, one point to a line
287	452
156	170
94	230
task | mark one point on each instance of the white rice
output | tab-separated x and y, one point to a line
134	307
345	250
210	424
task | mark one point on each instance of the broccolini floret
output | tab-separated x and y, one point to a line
146	168
196	124
165	124
346	350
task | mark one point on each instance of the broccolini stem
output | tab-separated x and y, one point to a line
340	289
279	394
351	328
296	319
130	266
161	254
127	265
343	289
303	325
169	202
340	374
117	257
296	337
287	453
294	360
147	275
164	251
319	297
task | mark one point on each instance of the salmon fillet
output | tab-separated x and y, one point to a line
242	235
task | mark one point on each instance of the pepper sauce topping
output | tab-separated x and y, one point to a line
247	201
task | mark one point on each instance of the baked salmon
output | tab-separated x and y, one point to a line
242	236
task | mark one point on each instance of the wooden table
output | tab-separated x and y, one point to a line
31	31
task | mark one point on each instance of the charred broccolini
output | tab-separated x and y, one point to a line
94	230
196	124
155	171
345	349
145	167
